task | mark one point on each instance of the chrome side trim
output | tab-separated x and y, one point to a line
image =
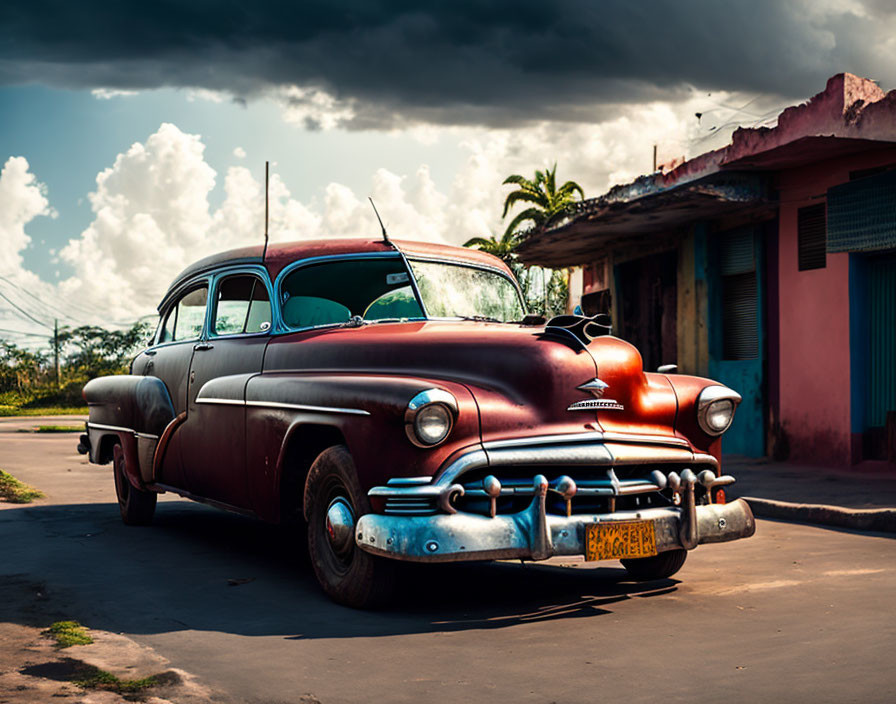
147	436
221	401
113	428
275	404
304	407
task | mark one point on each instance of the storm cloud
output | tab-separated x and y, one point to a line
368	64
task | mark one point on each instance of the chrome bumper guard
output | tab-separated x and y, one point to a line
534	534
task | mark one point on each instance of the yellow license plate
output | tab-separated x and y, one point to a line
619	540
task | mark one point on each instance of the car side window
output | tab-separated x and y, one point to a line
186	317
242	306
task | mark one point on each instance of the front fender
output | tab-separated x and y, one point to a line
366	411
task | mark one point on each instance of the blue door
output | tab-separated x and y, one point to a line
737	332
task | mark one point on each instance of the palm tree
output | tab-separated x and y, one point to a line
502	248
548	201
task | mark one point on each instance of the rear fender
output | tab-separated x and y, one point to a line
136	410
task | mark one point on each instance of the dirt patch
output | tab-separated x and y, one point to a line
106	669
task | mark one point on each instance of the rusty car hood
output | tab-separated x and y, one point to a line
523	380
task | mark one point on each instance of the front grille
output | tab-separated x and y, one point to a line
410	506
599	489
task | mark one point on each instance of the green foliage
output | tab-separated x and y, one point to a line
545	290
16	492
69	633
28	383
502	248
60	429
93	351
547	202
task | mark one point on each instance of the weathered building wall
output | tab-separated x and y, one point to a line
813	357
693	340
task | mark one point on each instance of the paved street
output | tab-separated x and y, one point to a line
796	613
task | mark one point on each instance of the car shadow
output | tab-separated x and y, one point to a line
203	569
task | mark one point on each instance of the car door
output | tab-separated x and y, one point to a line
214	434
181	327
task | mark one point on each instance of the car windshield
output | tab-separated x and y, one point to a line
331	293
458	291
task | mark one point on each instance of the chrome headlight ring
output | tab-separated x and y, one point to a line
715	409
430	417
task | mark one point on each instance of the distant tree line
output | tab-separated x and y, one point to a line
29	376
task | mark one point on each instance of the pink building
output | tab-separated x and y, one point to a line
770	265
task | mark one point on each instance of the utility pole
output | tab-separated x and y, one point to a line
56	349
654	159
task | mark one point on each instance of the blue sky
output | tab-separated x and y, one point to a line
68	136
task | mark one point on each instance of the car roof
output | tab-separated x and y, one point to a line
281	254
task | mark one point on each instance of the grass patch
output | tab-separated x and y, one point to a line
92	677
60	429
16	492
6	411
69	633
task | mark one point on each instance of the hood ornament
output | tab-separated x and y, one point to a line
597	387
578	328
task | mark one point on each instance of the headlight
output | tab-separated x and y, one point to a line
715	409
429	417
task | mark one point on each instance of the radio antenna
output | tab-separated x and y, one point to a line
267	166
383	227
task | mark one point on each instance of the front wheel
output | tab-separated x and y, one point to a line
333	503
645	569
137	506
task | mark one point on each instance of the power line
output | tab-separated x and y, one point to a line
23	311
89	317
22	332
84	310
47	308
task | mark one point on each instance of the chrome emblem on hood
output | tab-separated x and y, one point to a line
597	388
597	404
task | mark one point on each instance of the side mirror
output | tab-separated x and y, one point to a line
667	368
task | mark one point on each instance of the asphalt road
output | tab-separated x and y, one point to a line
796	613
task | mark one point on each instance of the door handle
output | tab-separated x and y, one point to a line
149	353
200	346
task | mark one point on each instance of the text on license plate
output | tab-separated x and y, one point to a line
620	540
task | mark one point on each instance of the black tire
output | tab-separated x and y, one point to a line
353	577
665	564
137	506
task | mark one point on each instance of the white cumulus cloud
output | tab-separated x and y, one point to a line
152	214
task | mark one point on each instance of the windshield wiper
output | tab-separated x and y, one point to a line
480	318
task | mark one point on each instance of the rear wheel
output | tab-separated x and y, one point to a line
333	503
665	564
137	506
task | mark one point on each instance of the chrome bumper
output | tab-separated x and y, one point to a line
533	534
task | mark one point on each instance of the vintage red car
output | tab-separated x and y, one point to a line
394	397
